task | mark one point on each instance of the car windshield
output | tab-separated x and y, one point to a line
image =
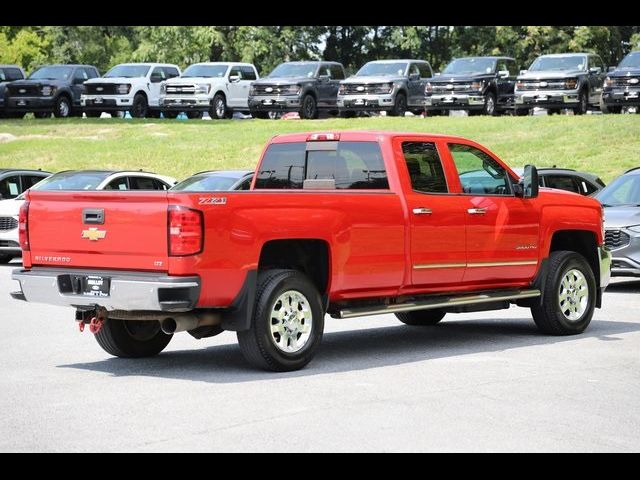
624	190
128	71
558	63
207	183
72	181
52	73
470	66
630	61
295	70
205	71
383	69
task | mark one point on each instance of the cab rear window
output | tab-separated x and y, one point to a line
349	165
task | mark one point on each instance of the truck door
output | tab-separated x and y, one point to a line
157	76
324	85
415	86
236	86
506	81
502	229
436	219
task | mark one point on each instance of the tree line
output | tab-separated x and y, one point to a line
267	46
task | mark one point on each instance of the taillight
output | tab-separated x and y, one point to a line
323	137
186	231
23	226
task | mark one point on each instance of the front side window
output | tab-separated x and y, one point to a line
479	173
235	71
351	165
424	167
80	74
171	72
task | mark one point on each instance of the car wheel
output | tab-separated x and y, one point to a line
569	295
309	108
140	107
218	107
421	318
132	338
287	324
489	104
400	106
194	115
62	107
583	103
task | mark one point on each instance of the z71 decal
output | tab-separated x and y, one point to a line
212	201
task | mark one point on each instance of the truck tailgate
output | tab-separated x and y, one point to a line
105	230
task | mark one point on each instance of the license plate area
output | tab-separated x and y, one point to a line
85	285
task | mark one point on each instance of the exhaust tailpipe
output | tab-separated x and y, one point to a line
182	322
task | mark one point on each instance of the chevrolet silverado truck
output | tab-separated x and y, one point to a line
50	89
622	86
480	85
303	87
391	86
560	81
129	87
345	223
219	88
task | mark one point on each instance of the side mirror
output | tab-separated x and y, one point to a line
155	78
323	78
503	74
522	72
594	70
528	186
234	78
414	76
612	68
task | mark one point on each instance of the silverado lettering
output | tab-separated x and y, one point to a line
349	224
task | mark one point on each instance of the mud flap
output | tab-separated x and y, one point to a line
238	316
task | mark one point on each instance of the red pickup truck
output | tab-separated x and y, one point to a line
347	223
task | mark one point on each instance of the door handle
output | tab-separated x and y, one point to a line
422	211
476	211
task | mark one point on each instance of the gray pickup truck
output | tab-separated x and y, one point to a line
393	86
560	81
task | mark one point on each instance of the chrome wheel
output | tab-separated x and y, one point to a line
220	108
63	108
573	295
490	105
291	321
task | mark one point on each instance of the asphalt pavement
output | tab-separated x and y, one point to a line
477	382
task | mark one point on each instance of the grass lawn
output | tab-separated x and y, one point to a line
603	144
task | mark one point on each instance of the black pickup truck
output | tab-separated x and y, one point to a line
622	86
480	85
50	89
8	73
303	87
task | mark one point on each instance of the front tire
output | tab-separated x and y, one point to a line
132	338
569	295
287	324
421	318
489	107
309	108
62	107
583	103
218	109
140	106
400	106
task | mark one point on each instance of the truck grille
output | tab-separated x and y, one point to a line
451	87
23	90
270	89
180	89
541	85
625	81
8	223
616	239
364	89
101	89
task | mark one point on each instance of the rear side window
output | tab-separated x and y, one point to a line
425	70
562	182
248	73
424	167
351	165
29	181
336	72
118	184
10	187
143	183
235	71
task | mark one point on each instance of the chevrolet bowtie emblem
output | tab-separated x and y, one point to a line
94	234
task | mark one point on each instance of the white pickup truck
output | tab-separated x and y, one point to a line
219	88
132	87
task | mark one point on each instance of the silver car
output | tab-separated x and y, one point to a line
621	199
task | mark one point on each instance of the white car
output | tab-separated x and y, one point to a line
73	180
132	87
219	88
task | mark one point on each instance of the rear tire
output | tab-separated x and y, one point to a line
422	318
287	324
569	295
132	338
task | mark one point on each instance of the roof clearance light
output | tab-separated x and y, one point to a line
323	137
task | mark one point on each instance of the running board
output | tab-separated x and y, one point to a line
439	302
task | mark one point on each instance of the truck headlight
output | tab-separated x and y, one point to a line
477	86
608	82
202	88
571	83
47	90
428	88
634	228
519	84
386	88
163	88
123	88
290	90
341	89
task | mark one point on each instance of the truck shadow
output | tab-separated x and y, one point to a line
629	286
356	350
